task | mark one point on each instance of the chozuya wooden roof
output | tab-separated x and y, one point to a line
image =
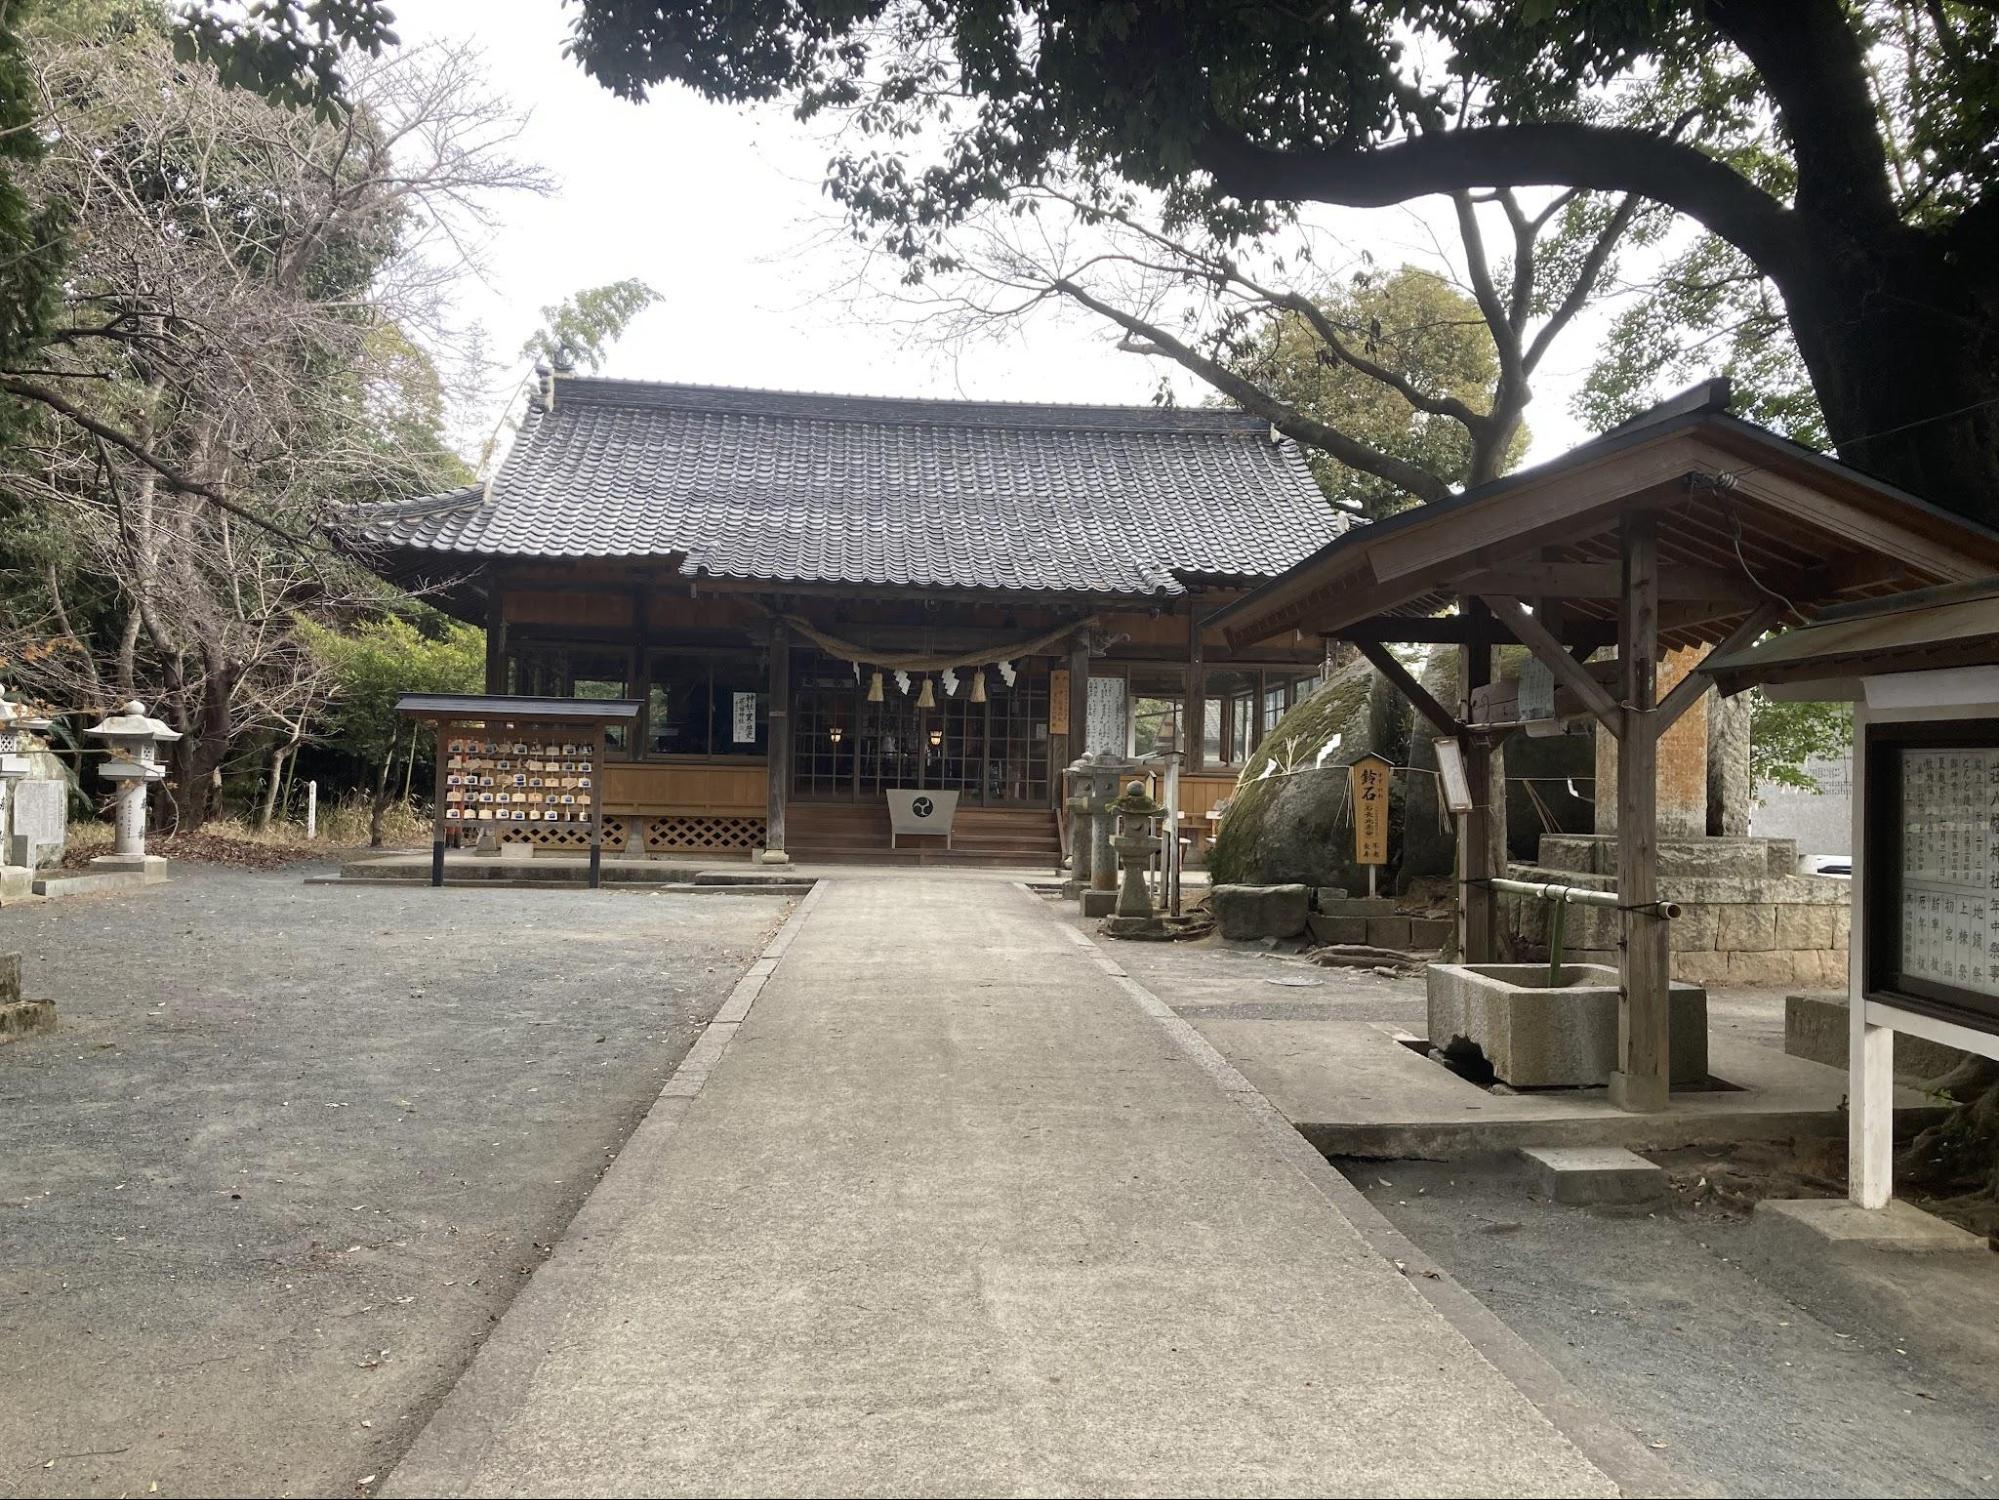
1746	519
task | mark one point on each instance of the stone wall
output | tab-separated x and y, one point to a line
1747	919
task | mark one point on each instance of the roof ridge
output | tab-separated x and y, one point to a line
899	411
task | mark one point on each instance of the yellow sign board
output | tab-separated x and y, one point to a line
1368	780
1058	702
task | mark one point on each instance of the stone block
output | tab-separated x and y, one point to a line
1697	929
10	978
1260	911
1805	926
1327	930
1790	1227
1815	1027
1575	853
19	1018
1766	967
17	883
1098	903
1747	929
1431	934
1701	966
1388	932
1535	1036
1594	1174
1324	895
1355	906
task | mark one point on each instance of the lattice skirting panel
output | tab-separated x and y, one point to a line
564	835
708	833
683	833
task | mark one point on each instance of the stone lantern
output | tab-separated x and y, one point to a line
133	741
1135	841
15	721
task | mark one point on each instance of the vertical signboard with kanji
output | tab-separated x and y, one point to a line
1368	779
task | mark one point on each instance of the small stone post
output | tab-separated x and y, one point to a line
132	740
16	881
311	811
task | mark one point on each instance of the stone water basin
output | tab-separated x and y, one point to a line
1564	1036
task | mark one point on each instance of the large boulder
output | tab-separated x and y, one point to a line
1260	911
1287	822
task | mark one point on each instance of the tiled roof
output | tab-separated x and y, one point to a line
868	490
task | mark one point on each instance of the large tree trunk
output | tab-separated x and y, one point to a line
1903	349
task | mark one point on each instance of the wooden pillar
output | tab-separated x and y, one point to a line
1643	1077
496	637
1478	904
1078	727
1195	731
778	751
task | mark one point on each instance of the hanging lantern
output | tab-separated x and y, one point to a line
835	734
926	698
875	687
979	686
937	737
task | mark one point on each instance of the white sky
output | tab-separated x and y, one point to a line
721	211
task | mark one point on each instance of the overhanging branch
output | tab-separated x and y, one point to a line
1616	159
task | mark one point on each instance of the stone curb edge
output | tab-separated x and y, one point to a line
448	1451
1613	1448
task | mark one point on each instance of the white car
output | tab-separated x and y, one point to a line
1835	866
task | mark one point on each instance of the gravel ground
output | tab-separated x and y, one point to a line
1749	1374
294	1149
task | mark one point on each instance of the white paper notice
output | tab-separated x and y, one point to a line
746	718
1950	867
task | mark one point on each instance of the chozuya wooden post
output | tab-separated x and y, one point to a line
1481	838
1643	1077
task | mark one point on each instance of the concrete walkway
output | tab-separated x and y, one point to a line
953	1214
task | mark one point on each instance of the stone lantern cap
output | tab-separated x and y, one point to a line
132	723
134	740
1136	802
15	717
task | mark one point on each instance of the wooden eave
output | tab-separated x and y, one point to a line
1735	504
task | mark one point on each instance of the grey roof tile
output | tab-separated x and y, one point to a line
797	487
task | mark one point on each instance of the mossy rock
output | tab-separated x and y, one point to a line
1294	828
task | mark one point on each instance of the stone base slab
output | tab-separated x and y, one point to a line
19	1018
1789	1226
1537	1037
1594	1174
1098	903
1815	1026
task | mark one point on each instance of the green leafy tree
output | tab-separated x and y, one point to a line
583	327
1880	237
375	662
1412	322
1783	736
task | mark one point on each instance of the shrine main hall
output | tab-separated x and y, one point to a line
817	599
